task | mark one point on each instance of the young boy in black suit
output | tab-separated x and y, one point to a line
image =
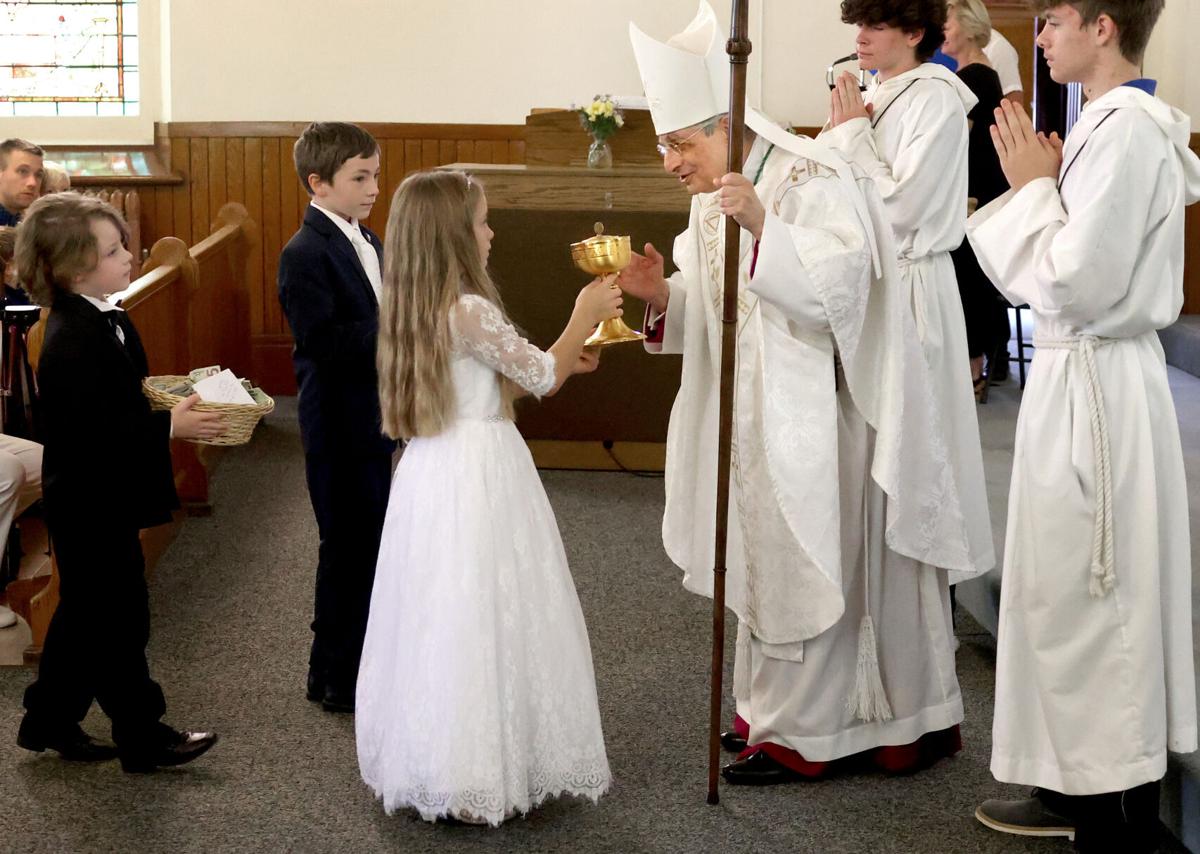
329	284
99	493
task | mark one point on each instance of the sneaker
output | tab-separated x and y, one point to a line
1028	817
7	617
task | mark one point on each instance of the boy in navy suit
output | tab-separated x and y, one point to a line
329	285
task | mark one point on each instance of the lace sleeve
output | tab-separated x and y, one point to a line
479	328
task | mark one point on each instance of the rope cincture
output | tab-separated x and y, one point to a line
868	700
1102	578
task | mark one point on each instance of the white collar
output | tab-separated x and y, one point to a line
348	228
102	304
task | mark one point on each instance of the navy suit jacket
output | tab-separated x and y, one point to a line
334	315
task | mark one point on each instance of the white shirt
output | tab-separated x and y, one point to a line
105	306
1003	57
367	255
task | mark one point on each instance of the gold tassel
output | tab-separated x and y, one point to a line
868	702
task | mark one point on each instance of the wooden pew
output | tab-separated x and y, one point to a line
190	310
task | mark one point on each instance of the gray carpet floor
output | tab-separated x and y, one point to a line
231	601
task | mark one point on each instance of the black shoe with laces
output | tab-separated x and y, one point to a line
70	742
170	748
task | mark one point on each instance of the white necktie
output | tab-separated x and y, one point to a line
369	258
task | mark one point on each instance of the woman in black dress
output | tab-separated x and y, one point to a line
968	29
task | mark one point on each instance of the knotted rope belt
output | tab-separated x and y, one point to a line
1103	576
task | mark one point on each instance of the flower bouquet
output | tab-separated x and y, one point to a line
601	118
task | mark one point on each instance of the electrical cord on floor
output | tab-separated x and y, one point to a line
608	447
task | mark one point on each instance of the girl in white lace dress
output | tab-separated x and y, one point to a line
476	696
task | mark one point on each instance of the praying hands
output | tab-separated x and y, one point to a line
1025	155
846	101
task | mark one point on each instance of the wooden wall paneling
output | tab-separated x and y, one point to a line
412	156
235	171
394	153
287	170
289	196
253	187
516	151
272	239
483	151
217	186
386	178
164	217
198	180
181	161
378	218
430	150
464	151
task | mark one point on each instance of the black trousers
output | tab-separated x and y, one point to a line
985	311
349	497
1125	822
95	646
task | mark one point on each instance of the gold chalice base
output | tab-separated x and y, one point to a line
600	256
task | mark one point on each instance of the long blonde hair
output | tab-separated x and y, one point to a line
431	258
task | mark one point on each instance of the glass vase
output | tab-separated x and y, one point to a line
599	155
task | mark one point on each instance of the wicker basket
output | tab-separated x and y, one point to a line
240	418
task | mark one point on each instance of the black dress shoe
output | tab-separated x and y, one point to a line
177	748
72	743
341	702
315	692
758	769
732	742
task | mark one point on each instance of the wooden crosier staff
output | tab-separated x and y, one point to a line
738	47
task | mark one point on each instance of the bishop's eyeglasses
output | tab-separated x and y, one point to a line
678	146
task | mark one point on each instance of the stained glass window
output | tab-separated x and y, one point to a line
69	59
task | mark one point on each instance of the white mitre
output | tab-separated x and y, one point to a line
687	78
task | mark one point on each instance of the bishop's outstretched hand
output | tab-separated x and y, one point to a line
644	279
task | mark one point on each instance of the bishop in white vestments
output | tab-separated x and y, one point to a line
843	498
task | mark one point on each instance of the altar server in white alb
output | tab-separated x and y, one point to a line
842	498
910	136
1095	678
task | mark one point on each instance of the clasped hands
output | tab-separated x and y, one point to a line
1025	154
846	101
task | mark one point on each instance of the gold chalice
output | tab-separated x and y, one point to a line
600	256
